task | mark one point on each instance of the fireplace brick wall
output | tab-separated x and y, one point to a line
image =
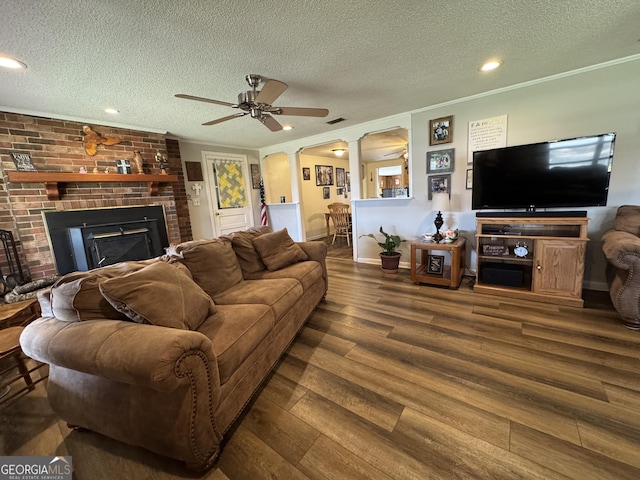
57	146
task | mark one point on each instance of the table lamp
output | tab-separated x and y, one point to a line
440	203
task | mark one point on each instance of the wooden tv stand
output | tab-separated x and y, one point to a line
550	268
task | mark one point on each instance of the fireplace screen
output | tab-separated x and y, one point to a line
110	248
101	245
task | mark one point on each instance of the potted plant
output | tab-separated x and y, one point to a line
389	256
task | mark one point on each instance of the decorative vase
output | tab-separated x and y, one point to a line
390	262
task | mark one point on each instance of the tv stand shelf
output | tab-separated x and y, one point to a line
550	264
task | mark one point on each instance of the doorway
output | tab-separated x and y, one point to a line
228	182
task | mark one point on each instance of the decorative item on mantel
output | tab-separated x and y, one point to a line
440	202
137	159
162	163
92	139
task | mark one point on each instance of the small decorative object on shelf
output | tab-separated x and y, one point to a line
95	170
123	166
450	236
521	250
495	250
435	264
82	170
137	159
23	162
162	163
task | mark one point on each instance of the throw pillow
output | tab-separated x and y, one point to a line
278	250
76	297
212	263
159	294
242	243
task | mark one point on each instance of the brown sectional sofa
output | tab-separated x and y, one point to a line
165	354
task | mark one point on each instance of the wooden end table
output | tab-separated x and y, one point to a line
438	263
19	313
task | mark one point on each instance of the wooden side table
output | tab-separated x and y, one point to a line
19	313
438	263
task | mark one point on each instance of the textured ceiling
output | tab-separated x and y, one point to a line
363	60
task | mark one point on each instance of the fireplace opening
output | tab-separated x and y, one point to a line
82	240
101	245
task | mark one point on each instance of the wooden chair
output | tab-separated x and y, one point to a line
341	217
10	349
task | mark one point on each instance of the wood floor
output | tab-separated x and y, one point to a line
392	380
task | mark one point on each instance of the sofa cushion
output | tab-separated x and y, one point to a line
159	294
242	242
235	331
212	263
76	296
628	219
278	294
277	249
307	273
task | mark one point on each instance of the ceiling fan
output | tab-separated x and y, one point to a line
257	103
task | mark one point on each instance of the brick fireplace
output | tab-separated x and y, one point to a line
57	146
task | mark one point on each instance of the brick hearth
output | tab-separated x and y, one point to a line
57	146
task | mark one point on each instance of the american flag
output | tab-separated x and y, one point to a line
263	206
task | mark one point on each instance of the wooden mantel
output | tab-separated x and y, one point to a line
51	180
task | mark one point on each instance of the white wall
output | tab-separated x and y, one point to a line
277	178
591	101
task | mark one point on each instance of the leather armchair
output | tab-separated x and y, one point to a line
621	246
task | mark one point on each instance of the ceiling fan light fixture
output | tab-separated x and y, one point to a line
490	65
111	111
338	152
8	62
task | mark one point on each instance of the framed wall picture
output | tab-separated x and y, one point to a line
441	161
438	184
306	173
340	182
255	175
194	171
435	264
326	193
469	184
324	175
441	130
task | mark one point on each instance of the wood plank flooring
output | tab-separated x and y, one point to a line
392	380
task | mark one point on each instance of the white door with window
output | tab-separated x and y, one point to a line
230	192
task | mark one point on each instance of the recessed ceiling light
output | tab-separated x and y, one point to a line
287	127
112	111
490	65
8	62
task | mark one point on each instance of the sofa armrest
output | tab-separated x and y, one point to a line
622	249
122	351
317	251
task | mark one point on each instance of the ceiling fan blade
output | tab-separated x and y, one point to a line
271	123
271	90
224	119
304	112
201	99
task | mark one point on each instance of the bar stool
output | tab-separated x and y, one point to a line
10	349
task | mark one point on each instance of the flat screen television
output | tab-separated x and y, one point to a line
561	173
